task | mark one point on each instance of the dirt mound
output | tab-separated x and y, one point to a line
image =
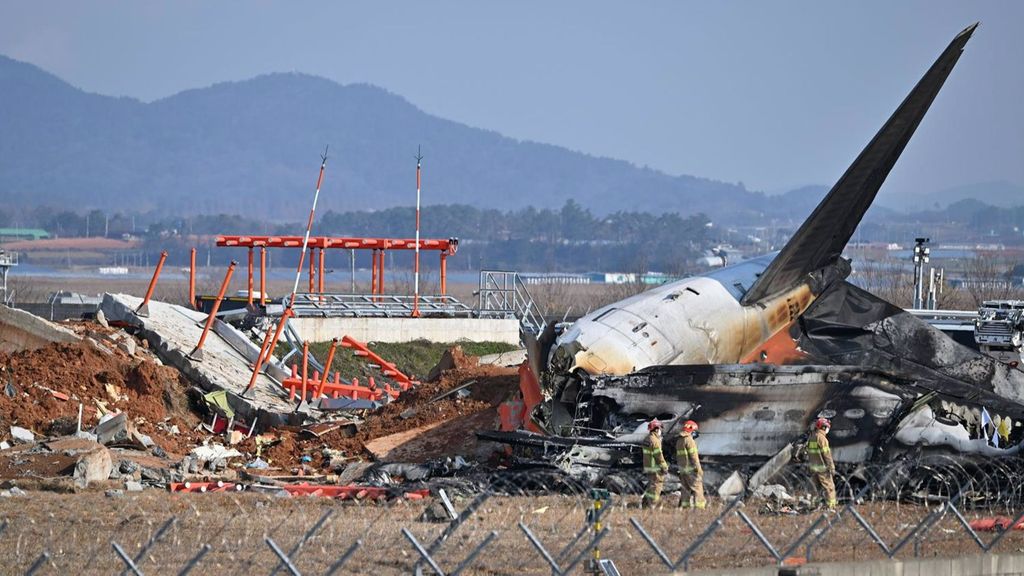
47	385
453	358
493	384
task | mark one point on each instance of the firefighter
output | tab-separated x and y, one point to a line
654	465
691	475
819	457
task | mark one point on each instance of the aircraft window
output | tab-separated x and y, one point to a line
605	313
674	296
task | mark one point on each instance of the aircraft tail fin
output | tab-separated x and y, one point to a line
822	237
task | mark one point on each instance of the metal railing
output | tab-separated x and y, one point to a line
503	294
377	306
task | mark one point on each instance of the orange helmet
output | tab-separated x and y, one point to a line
689	426
653	425
822	423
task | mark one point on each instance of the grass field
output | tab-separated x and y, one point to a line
415	358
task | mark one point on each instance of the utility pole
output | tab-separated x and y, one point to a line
269	342
416	264
921	257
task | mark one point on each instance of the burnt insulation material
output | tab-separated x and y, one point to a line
848	325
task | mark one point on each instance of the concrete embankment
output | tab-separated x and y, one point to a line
975	565
313	329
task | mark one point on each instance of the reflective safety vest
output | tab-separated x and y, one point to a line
654	460
819	455
687	456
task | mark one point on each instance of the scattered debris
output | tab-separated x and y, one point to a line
22	435
93	466
108	409
112	428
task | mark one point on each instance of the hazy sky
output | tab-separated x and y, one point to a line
773	94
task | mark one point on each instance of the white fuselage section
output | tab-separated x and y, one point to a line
692	321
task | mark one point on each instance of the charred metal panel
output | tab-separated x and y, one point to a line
851	326
752	410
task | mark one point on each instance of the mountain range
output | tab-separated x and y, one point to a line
252	148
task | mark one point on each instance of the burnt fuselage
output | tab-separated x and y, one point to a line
754	410
693	321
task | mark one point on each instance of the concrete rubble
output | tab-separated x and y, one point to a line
173	332
124	404
93	465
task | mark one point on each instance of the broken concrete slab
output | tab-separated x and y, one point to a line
381	447
21	330
507	359
22	435
71	445
173	332
732	488
128	346
93	466
211	452
113	429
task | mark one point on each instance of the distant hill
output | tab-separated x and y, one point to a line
252	148
999	194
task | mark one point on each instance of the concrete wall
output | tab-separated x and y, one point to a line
59	312
978	564
21	330
407	329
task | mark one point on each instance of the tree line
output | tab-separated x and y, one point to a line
566	239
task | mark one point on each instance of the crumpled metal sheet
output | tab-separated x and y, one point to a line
848	325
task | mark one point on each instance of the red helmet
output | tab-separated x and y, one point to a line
689	426
822	423
653	425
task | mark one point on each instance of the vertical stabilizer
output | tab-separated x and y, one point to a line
821	239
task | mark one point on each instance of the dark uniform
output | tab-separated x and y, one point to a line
691	475
655	468
819	457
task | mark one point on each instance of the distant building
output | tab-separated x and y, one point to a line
554	278
16	234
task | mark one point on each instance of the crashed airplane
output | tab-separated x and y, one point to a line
757	351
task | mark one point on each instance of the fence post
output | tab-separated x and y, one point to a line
197	353
143	309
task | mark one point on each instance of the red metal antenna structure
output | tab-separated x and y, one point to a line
269	342
416	259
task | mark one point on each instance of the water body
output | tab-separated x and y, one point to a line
363	275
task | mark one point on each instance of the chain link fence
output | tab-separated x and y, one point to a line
529	523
